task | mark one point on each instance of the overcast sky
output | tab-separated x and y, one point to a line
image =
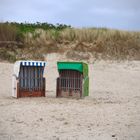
119	14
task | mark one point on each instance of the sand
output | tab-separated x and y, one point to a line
111	112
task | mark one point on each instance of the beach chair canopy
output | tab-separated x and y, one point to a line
18	64
78	66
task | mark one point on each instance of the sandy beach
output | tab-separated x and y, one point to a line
111	112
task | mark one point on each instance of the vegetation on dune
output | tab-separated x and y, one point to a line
31	27
32	41
7	32
105	42
12	39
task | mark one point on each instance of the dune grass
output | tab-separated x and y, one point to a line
41	39
107	43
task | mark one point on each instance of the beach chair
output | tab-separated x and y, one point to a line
73	80
28	79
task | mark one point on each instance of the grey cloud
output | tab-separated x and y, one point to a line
122	14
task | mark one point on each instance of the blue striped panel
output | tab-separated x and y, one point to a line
30	63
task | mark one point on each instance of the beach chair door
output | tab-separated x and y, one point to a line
31	82
69	83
